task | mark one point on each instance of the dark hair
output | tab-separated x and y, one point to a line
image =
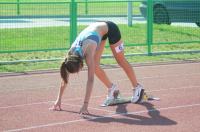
72	64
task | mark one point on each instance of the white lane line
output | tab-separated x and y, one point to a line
180	88
106	116
38	103
74	99
22	105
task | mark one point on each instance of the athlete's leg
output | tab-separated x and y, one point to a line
100	73
118	52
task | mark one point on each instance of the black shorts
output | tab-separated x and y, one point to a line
113	33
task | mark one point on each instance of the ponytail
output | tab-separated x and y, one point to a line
63	72
72	64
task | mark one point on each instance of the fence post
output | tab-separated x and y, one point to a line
149	26
18	7
130	13
86	7
73	21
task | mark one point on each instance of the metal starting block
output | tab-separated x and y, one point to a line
147	97
123	100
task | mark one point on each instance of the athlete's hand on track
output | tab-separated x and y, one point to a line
84	110
56	106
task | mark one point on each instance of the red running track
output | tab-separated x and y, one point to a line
25	100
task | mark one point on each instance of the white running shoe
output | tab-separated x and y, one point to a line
137	94
113	92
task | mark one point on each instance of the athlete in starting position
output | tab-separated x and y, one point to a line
89	45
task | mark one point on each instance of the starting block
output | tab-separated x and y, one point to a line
123	100
147	97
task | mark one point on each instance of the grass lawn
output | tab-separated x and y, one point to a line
58	37
56	8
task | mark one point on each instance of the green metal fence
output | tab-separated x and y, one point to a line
48	25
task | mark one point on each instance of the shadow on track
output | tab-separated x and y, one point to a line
135	118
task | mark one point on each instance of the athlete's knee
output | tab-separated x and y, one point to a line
97	68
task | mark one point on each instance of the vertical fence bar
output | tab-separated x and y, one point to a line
18	7
73	20
86	7
130	10
149	26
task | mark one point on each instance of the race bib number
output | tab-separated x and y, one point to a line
119	48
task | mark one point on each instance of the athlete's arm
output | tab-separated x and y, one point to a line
89	57
57	105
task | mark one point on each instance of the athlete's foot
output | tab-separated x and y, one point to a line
137	94
113	92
